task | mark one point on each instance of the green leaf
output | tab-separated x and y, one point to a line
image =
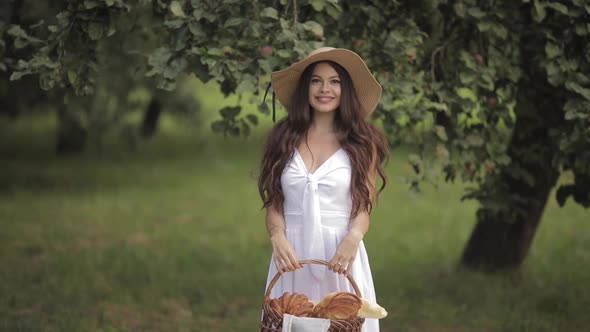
334	10
552	50
500	31
284	53
484	26
246	85
264	65
18	33
318	5
476	12
234	131
176	9
466	93
459	9
270	13
218	126
315	28
95	30
90	4
581	29
441	133
573	86
17	75
215	51
442	153
539	11
439	106
466	77
263	108
245	128
475	140
230	112
558	7
252	118
174	24
468	60
72	77
503	159
234	21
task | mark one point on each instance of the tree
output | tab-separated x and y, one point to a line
493	93
506	86
84	70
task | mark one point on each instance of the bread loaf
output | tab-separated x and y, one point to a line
338	305
371	310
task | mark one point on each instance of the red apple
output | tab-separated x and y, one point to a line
266	51
479	59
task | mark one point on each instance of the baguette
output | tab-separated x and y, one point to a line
371	310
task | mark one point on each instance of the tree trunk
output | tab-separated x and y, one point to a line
150	119
71	135
501	238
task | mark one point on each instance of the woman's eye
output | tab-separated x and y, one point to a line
335	81
315	81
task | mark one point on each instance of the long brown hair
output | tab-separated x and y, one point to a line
365	145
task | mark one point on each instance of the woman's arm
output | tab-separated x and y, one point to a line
283	253
348	247
359	226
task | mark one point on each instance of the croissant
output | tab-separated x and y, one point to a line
294	304
285	298
275	304
338	305
299	305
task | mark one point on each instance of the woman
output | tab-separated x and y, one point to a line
318	174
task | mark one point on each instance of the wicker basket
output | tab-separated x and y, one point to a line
272	321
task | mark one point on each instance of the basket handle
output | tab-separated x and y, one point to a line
311	261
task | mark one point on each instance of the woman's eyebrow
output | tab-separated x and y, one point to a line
318	76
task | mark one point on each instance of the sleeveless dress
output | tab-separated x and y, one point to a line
317	210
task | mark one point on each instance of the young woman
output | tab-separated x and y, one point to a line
318	174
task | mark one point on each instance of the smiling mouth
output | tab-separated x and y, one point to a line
324	99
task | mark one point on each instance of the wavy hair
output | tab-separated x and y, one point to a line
364	143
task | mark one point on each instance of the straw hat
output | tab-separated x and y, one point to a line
368	90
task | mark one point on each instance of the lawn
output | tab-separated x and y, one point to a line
170	237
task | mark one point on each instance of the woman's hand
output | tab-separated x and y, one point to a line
283	253
346	252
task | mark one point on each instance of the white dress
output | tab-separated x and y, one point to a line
317	210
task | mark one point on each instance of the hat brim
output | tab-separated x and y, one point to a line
368	90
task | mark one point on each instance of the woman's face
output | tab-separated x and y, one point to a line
324	88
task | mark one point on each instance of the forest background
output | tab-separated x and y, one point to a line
131	135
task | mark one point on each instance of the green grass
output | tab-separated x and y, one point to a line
170	237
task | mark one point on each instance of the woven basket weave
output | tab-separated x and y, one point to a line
272	320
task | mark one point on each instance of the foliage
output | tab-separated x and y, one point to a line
453	71
91	55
